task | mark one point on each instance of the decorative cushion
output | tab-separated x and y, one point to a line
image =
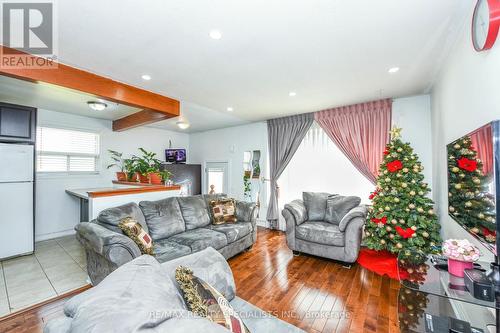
315	203
205	301
338	206
134	231
320	232
223	211
194	211
163	217
111	217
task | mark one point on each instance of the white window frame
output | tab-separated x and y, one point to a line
97	157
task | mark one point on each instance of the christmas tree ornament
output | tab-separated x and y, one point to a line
458	186
396	199
391	236
405	170
456	146
430	211
462	175
425	234
404	185
399	245
393	221
412	193
411	206
413	228
451	209
420	193
420	210
468	204
455	169
388	228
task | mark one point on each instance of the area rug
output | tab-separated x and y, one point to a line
379	262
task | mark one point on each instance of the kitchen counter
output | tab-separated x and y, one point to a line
94	200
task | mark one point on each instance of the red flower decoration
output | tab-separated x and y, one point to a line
405	233
467	164
394	166
488	232
386	152
382	220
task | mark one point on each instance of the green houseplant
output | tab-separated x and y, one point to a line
120	163
147	168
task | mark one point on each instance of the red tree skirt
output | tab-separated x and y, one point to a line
379	262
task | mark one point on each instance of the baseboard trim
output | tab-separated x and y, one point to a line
39	238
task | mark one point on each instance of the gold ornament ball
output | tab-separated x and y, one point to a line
388	228
420	210
425	234
382	241
387	208
387	180
432	243
424	185
386	188
399	245
404	185
412	193
420	193
456	146
396	199
407	210
431	211
391	236
413	227
405	170
468	204
411	206
398	175
476	181
474	230
367	233
413	181
458	186
455	169
385	172
414	235
461	175
381	209
401	221
480	215
393	221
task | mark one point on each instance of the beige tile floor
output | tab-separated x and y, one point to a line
57	266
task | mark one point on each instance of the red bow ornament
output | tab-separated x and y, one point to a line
381	221
405	233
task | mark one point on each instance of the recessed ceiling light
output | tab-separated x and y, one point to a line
393	70
146	77
230	109
182	124
292	93
215	34
97	106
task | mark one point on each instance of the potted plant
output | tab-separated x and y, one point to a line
461	255
148	167
165	176
119	163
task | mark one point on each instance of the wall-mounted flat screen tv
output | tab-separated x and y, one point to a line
175	155
473	188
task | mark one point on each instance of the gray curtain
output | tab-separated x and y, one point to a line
284	136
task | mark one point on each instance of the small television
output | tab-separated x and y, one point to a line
175	155
473	183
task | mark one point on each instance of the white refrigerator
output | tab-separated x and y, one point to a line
16	199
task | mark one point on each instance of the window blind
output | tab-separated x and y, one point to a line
63	150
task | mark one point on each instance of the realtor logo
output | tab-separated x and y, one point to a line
28	27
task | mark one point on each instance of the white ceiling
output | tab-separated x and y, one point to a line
331	52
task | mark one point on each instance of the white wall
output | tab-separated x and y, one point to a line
56	212
465	97
228	144
411	113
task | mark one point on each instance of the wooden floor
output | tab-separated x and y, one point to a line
315	294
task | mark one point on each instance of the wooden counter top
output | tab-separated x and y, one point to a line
111	191
118	182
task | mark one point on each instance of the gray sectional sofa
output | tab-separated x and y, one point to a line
325	225
178	226
143	296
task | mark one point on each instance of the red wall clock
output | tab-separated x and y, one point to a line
485	24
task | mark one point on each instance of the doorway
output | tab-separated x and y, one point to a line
216	177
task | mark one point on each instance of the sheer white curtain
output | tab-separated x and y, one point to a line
319	166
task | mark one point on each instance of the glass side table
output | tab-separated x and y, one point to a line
429	296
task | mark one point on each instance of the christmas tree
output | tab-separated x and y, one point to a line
469	197
402	216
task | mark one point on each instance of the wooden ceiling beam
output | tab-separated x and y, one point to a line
155	107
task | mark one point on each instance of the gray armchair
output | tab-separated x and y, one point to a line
325	225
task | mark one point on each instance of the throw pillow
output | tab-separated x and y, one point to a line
337	206
223	211
205	301
315	203
134	231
